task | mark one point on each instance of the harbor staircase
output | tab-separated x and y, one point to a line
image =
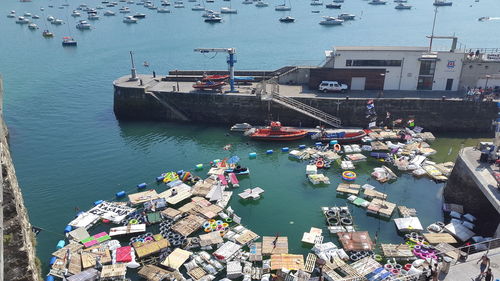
296	105
181	116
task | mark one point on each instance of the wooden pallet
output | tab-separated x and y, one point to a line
269	247
197	273
310	262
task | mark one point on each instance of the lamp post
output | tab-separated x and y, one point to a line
487	78
381	93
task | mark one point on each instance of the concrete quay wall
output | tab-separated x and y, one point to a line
471	185
132	103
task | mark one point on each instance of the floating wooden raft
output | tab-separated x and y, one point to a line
255	251
90	255
197	273
397	251
246	236
75	263
310	262
346	188
381	207
176	258
355	241
72	247
344	268
144	249
407	212
313	236
202	188
269	248
141	197
371	193
128	229
210	239
288	261
154	273
113	271
379	146
365	265
171	213
436	238
188	225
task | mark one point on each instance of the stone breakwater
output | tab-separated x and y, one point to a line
132	102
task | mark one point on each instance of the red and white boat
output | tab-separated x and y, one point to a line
276	132
209	85
215	77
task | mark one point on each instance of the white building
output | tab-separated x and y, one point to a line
406	68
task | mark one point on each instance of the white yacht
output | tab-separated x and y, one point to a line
125	10
178	5
247	2
338	1
75	14
331	21
32	26
50	18
82	25
316	3
261	4
109	13
22	20
99	8
35	17
282	8
27	15
12	14
163	11
130	19
93	16
377	2
345	16
57	22
228	10
198	7
130	2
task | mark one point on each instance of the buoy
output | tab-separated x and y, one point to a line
216	161
318	144
120	194
285	149
302	146
333	142
199	167
52	260
160	178
142	185
49	278
68	228
252	154
60	244
98	202
270	151
180	172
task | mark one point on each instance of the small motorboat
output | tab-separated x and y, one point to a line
139	15
276	132
12	14
92	16
246	2
400	1
287	19
99	7
82	25
316	3
152	7
124	10
345	16
68	42
340	137
483	18
315	11
377	2
22	20
213	19
282	8
261	4
209	12
50	18
402	6
165	3
240	127
109	13
32	26
238	170
215	77
47	34
227	10
208	85
441	3
130	19
331	21
338	1
333	6
163	11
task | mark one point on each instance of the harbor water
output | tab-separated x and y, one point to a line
69	150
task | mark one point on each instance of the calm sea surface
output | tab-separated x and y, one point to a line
69	150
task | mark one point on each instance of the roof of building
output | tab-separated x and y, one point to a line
380	48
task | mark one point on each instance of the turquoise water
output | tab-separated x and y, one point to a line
69	150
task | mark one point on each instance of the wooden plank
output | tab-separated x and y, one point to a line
288	261
346	188
310	263
114	270
436	238
272	245
355	241
75	263
176	258
396	251
154	273
371	193
188	225
246	237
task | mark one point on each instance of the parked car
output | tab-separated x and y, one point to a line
332	86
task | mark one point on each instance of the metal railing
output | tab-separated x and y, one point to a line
308	110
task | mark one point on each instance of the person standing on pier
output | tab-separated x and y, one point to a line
485	264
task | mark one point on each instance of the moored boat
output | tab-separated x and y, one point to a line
340	137
68	41
276	132
333	6
287	19
208	85
214	77
47	34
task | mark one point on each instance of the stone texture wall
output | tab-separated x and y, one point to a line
19	241
432	114
462	189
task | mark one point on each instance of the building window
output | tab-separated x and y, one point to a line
382	63
427	67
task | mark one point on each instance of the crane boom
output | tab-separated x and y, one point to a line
230	61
